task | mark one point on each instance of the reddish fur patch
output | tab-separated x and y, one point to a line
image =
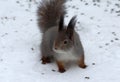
61	68
46	60
81	62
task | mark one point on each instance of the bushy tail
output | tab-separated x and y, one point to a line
49	13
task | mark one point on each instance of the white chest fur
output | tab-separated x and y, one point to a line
67	56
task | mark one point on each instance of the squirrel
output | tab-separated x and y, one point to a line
60	43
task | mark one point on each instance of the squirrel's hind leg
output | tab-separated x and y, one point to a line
46	60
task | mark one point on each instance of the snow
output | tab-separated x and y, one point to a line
99	29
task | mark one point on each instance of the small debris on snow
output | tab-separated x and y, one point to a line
93	63
116	38
32	49
53	70
87	77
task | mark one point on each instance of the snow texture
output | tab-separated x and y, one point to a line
98	26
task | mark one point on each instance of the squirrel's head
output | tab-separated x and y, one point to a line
65	38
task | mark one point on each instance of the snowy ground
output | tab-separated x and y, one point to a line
99	29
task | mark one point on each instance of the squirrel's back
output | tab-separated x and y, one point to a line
49	13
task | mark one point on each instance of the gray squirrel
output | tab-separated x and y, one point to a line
60	43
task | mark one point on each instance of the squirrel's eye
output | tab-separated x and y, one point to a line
65	42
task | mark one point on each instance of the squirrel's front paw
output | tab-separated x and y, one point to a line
83	66
61	67
62	70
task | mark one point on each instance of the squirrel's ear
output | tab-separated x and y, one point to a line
61	23
70	28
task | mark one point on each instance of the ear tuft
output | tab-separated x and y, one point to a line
70	28
72	23
61	23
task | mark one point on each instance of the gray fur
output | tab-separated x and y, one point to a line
58	41
48	40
